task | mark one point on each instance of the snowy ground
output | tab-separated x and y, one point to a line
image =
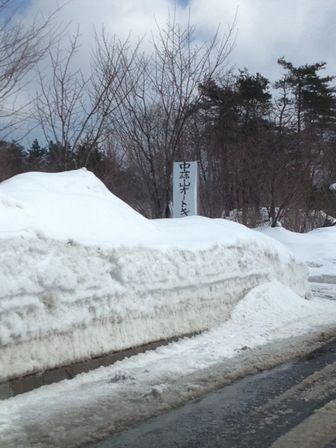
83	274
69	290
317	249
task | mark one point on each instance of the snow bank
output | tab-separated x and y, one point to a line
83	274
317	249
264	330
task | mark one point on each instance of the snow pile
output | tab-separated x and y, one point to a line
269	324
69	205
317	249
83	274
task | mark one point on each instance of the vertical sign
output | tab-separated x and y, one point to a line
185	183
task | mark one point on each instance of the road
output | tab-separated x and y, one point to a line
291	406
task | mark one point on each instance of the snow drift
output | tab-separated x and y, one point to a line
82	274
317	249
73	204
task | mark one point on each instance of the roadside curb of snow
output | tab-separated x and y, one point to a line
247	362
131	401
26	383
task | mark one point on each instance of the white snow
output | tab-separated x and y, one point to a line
317	249
62	302
66	206
81	274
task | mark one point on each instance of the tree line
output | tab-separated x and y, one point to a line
266	151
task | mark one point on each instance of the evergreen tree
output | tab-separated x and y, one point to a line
253	100
60	158
36	156
12	159
89	155
311	95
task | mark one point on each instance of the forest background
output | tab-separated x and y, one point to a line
266	151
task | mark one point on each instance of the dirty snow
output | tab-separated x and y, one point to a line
74	412
106	278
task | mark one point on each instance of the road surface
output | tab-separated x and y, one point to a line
291	406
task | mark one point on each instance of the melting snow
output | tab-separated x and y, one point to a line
81	273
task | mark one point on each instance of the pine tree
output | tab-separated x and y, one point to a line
36	156
253	99
311	95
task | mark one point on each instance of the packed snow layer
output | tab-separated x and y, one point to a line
83	274
64	302
270	324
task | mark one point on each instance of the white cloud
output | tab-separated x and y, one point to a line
301	30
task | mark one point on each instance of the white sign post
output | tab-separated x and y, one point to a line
185	186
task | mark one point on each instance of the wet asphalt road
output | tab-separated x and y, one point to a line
290	406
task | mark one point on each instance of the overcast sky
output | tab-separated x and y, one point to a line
301	30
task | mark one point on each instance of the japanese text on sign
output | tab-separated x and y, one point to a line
184	189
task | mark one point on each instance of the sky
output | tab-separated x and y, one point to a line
302	31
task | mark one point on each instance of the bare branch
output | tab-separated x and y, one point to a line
159	96
21	47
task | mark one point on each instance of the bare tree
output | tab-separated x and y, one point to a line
72	107
160	94
21	47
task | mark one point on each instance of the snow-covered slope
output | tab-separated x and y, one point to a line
81	273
